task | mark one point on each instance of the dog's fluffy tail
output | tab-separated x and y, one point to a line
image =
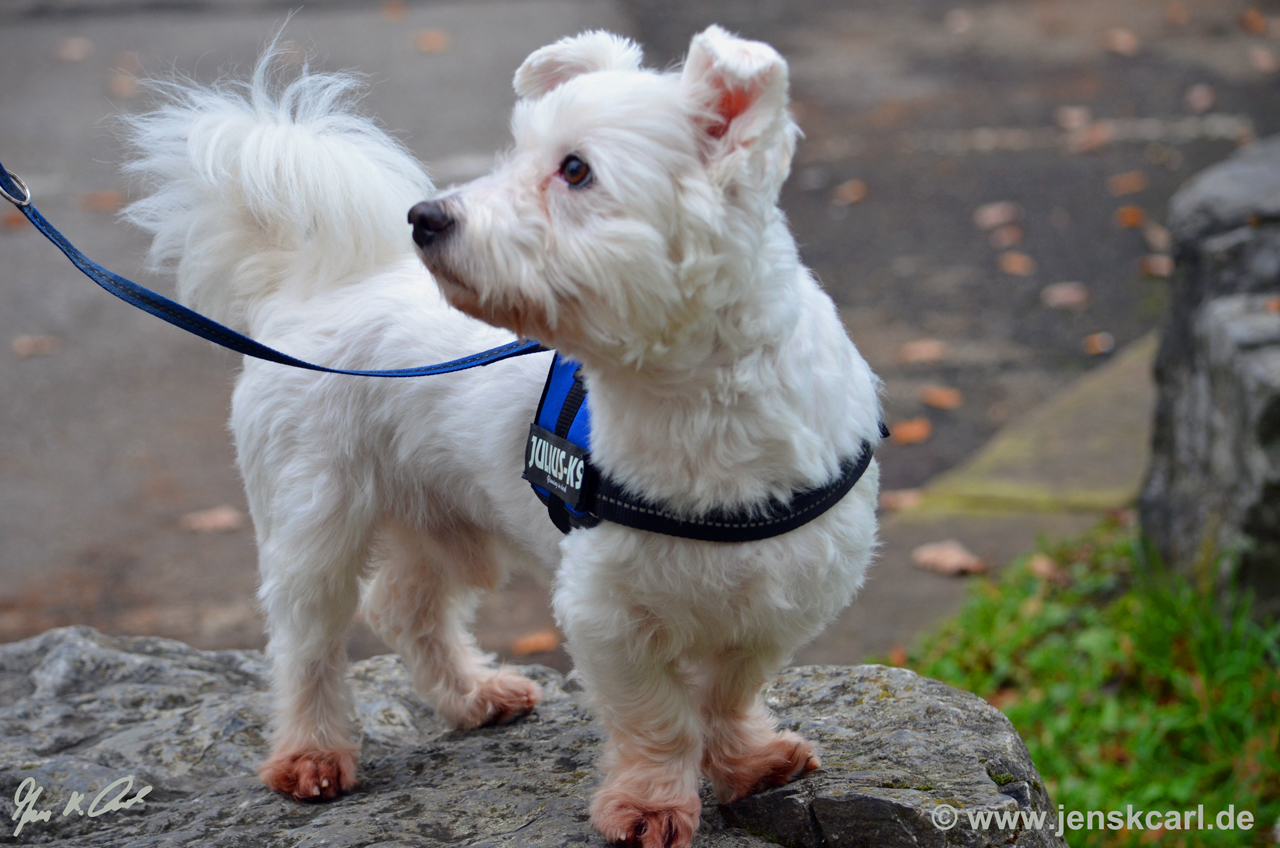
259	187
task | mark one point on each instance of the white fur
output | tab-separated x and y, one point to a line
719	374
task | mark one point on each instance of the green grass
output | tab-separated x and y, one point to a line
1128	686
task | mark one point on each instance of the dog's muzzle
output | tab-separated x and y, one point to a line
431	220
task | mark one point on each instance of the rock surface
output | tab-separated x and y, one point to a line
1211	502
80	710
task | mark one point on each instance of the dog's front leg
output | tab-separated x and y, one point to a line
649	792
310	591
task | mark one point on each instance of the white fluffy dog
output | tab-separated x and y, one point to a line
634	226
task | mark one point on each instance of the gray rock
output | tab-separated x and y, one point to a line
1212	495
79	710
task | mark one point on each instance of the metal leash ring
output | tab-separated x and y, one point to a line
26	201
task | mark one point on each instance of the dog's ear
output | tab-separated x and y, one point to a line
550	66
739	89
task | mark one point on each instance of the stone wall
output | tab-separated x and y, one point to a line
1211	503
79	711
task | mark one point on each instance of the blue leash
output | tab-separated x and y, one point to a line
17	193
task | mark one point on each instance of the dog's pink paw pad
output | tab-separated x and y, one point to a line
622	819
310	775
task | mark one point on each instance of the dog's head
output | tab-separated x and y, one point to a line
636	215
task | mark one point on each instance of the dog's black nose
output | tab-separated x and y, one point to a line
430	218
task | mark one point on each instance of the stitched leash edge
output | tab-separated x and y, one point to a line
153	303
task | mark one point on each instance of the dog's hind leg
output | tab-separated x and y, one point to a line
743	750
311	565
421	603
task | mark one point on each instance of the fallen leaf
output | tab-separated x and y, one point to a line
1073	118
1093	137
897	656
1130	182
1263	60
1003	698
1157	265
1098	344
988	216
218	519
28	346
941	397
1199	98
1176	13
958	21
433	41
1043	566
13	219
393	11
1122	41
1253	21
923	351
1073	297
1003	238
101	201
1158	238
124	85
536	643
912	431
1271	304
74	49
1017	264
848	193
899	499
1130	217
949	557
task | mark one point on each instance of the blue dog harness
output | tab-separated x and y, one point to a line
558	466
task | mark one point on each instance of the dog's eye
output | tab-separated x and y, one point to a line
575	172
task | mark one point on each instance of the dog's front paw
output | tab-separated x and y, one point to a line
502	698
625	817
311	775
776	762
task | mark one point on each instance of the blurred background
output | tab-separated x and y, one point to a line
982	188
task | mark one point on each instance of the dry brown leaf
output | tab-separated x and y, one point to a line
101	201
1003	698
1271	304
218	519
1263	60
393	11
949	557
14	220
988	216
1098	344
536	643
433	41
28	346
1017	264
848	193
911	431
1157	265
74	49
1130	182
1093	137
1130	217
1072	296
941	397
1158	238
1043	566
1176	13
124	85
1073	118
897	656
1003	238
1122	42
1253	21
923	352
1199	98
899	499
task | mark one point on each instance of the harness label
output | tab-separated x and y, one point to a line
556	465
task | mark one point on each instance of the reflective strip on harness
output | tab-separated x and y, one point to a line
558	466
